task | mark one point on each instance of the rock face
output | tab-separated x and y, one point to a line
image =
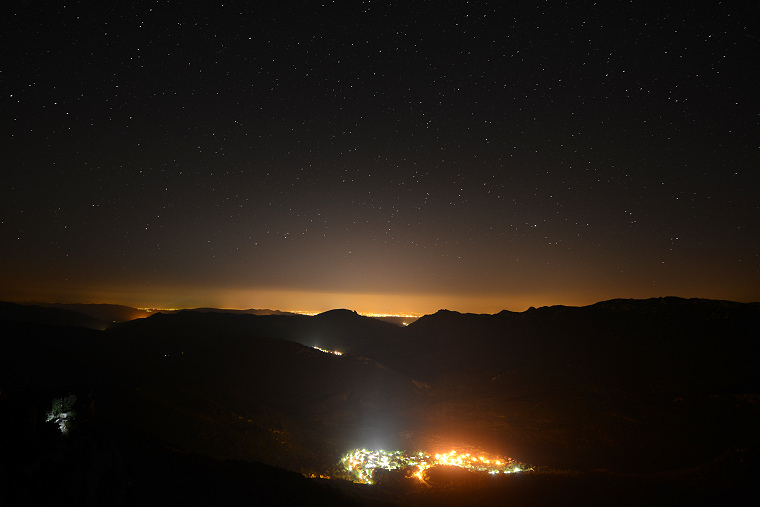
623	385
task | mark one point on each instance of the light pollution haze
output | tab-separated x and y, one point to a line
316	301
382	157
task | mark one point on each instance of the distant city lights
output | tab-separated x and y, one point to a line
373	315
383	315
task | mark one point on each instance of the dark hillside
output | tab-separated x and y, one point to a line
105	462
103	312
340	330
664	382
229	361
43	357
660	393
53	316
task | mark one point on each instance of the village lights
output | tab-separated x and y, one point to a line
361	463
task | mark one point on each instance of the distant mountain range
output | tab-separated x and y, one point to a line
640	388
107	313
120	313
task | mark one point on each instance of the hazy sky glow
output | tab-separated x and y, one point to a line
390	158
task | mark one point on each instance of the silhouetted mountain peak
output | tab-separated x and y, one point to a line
443	318
338	313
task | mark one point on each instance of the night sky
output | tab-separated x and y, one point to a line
389	157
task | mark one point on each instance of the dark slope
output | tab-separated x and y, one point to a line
340	330
675	344
665	389
104	312
39	357
248	398
53	316
106	462
233	363
626	383
348	331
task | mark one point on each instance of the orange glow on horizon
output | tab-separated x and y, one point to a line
296	301
307	301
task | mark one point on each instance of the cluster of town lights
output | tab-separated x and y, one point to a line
361	463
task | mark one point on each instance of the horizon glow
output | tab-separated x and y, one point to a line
409	305
498	164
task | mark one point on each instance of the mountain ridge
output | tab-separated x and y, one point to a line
665	383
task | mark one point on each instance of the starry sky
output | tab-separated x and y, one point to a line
388	157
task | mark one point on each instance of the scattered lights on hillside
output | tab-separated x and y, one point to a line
329	351
361	463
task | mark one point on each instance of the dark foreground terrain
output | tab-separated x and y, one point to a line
623	402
